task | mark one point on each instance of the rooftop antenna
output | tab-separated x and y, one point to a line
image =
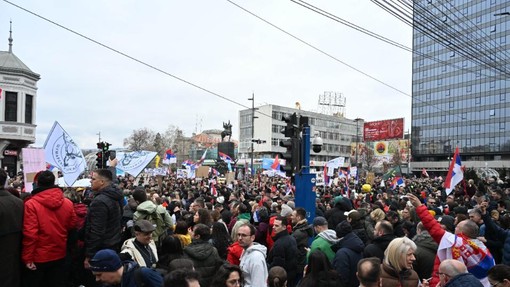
10	37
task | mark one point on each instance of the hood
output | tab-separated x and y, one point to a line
246	216
80	209
112	193
257	247
199	250
350	241
51	198
329	235
424	240
305	227
147	206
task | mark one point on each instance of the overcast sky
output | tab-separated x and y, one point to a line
210	43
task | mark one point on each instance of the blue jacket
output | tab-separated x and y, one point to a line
349	250
148	277
464	280
503	234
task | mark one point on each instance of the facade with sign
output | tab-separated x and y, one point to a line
18	97
337	133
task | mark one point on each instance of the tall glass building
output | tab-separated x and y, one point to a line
461	73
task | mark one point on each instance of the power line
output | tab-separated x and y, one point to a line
131	57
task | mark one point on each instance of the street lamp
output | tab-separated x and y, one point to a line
253	117
357	120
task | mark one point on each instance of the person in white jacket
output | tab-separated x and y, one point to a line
253	259
142	247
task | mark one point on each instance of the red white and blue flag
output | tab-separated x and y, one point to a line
455	173
224	157
169	157
276	163
397	181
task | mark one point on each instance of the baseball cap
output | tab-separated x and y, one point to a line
319	221
144	226
105	260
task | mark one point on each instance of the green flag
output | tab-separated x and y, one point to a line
394	172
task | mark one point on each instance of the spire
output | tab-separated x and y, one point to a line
10	37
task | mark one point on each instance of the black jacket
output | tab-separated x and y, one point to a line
205	260
103	223
349	251
378	246
324	279
425	253
283	254
302	232
464	280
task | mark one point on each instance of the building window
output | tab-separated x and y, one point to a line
469	88
11	107
451	104
477	128
478	100
492	113
443	118
502	126
28	108
493	84
427	97
502	97
276	128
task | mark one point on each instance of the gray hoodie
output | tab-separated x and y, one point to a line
253	264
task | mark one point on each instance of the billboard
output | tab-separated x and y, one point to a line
383	130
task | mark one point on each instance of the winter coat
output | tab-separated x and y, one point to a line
261	233
11	230
148	276
336	215
425	254
464	280
378	246
283	254
234	252
405	278
349	251
146	210
302	233
253	264
103	223
502	234
48	218
205	259
324	279
447	242
130	248
323	242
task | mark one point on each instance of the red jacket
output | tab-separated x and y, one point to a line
234	253
48	217
436	231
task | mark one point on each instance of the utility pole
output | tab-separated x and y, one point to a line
252	99
304	180
99	134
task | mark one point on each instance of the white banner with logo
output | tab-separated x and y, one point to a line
61	151
134	162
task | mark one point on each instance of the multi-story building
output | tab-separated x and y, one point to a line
337	133
18	97
460	83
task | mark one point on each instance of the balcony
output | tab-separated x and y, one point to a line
17	131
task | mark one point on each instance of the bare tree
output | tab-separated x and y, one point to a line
141	139
368	158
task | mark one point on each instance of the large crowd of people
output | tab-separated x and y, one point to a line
172	232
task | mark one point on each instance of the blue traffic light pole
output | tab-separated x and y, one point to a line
304	180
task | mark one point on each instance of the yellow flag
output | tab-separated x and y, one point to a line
157	160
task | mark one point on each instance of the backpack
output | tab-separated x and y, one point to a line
157	219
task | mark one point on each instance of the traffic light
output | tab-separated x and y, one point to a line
106	146
100	146
99	159
292	144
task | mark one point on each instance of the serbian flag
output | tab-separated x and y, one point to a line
455	173
169	157
397	181
212	184
276	163
226	158
201	160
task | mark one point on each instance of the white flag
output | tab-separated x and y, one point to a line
61	151
134	162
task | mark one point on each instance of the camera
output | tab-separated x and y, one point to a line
317	143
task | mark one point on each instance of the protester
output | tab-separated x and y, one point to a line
142	247
369	272
453	273
302	232
397	267
324	239
319	272
349	250
228	276
48	218
383	235
499	275
284	251
277	277
11	230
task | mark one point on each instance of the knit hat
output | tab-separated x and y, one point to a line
105	260
343	228
447	221
286	210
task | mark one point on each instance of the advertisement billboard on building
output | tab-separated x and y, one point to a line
383	130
